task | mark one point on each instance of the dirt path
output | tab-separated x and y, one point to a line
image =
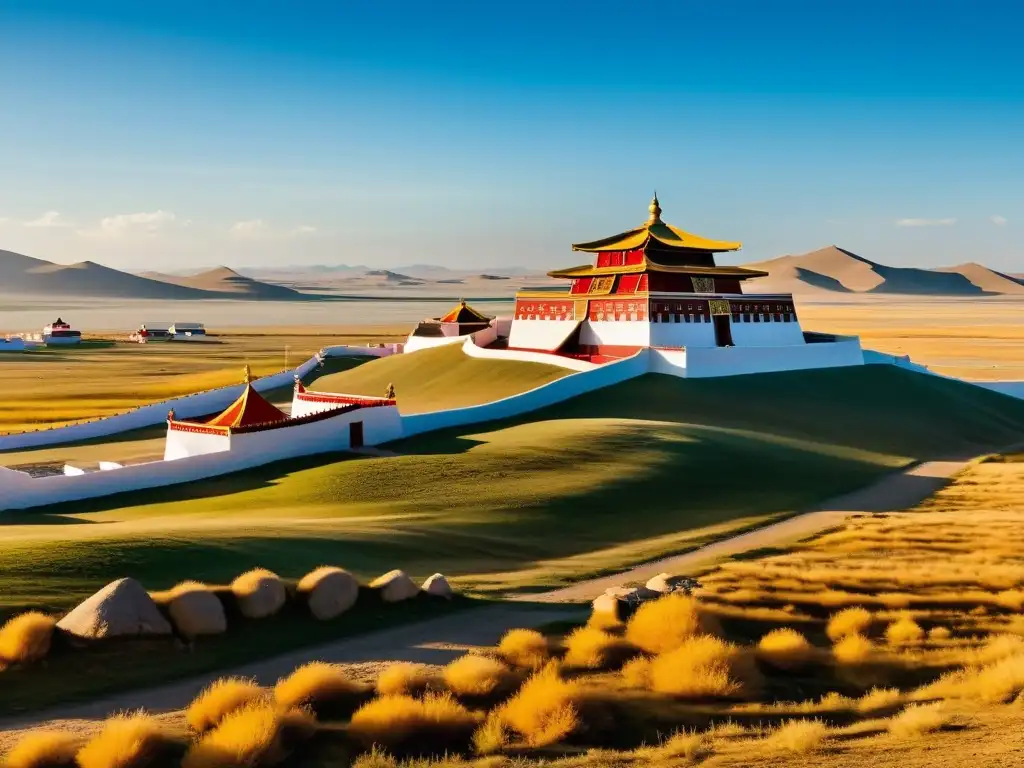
438	641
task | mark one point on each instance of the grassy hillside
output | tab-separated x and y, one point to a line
439	378
650	466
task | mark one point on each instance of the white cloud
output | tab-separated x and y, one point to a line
50	219
258	228
925	222
144	222
998	220
250	228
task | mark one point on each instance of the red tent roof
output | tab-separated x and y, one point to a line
250	409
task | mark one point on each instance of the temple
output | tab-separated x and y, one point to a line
652	286
460	322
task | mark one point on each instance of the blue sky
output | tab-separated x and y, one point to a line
188	134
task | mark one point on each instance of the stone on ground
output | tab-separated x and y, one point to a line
123	608
438	586
195	610
395	586
329	591
664	582
260	593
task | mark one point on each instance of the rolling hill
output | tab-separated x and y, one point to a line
224	280
836	270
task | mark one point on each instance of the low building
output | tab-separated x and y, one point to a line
461	322
187	332
59	333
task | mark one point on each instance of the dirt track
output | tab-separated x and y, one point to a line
438	641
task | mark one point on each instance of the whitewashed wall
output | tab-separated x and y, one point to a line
767	334
310	402
382	424
668	361
525	356
540	334
682	335
180	443
1011	388
416	343
705	362
618	333
12	345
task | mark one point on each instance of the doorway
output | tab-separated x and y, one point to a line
355	434
723	330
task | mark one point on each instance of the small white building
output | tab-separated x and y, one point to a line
460	323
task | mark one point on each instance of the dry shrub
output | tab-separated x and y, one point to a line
879	698
853	649
592	648
544	710
1011	598
917	720
785	648
325	688
476	675
127	741
849	621
997	647
939	633
256	734
259	593
637	672
689	745
798	737
664	624
26	638
219	699
493	736
997	682
43	749
404	678
437	722
904	631
605	620
701	667
524	648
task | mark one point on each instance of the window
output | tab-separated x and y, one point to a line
688	318
758	318
768	318
746	317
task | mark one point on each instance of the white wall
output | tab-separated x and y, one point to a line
1011	388
181	443
766	334
525	356
618	333
705	362
20	491
310	402
668	361
682	334
540	334
12	345
416	343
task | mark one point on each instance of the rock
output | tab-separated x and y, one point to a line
438	586
329	591
123	608
260	593
395	586
195	610
664	583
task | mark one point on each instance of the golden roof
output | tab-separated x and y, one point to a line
646	265
657	230
463	313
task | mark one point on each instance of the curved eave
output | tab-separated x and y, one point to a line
588	270
664	234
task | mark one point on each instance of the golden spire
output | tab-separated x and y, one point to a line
655	210
247	375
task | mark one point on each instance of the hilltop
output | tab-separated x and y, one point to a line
226	280
837	270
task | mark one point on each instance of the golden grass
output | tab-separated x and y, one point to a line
545	709
256	734
524	648
879	698
492	736
476	675
398	721
221	698
126	741
798	737
321	686
43	749
785	648
688	745
904	631
918	719
26	638
701	667
849	621
593	648
664	624
853	649
405	678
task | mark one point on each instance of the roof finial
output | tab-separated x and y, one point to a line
246	375
655	209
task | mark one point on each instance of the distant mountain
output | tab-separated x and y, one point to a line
24	275
224	280
836	270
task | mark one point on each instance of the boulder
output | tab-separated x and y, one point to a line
395	586
195	610
123	608
329	591
665	583
259	593
438	586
